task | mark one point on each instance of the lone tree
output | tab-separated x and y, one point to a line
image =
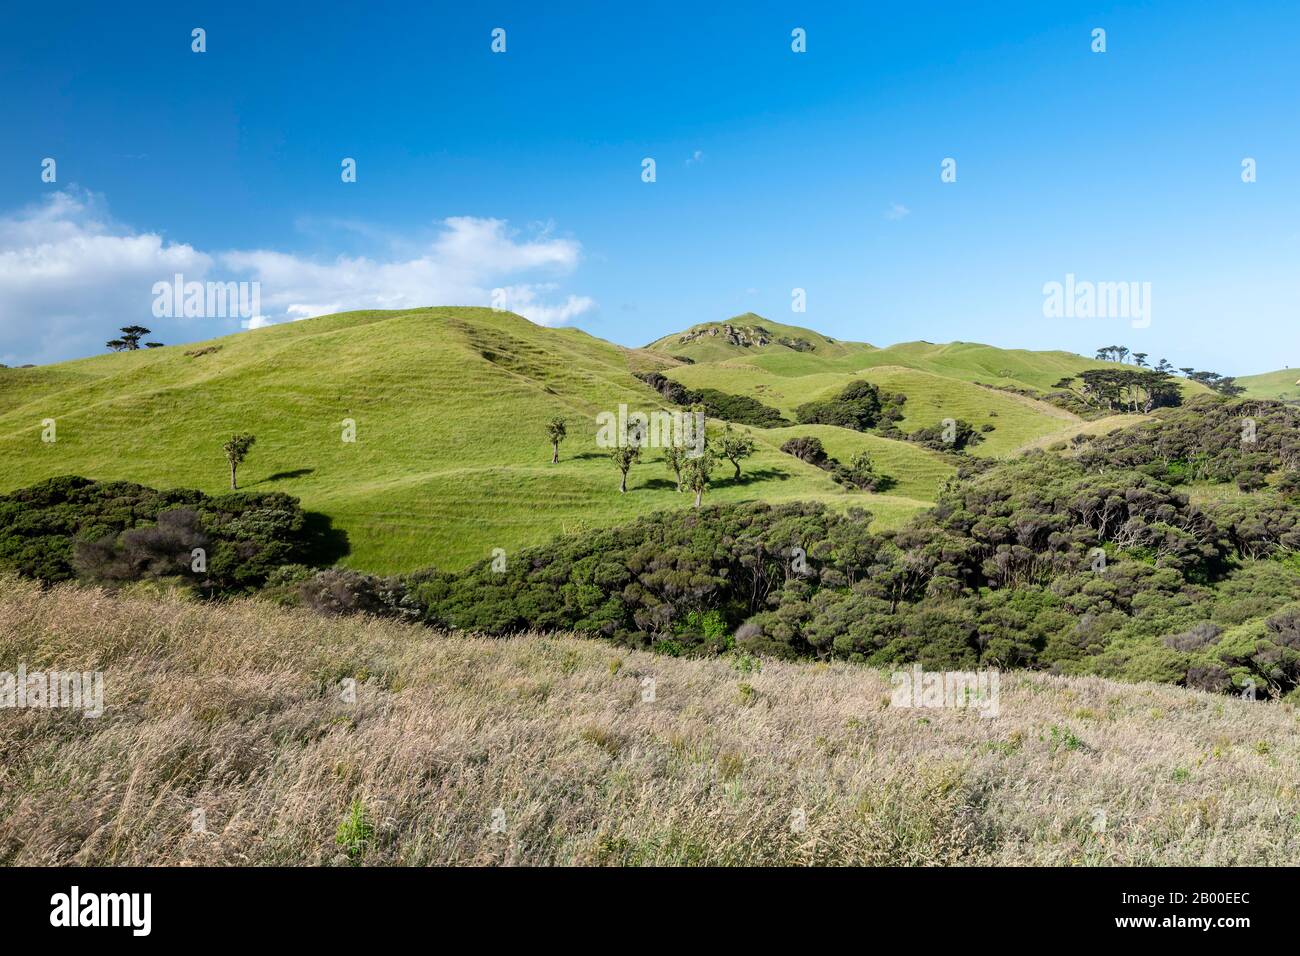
697	472
675	459
735	447
236	451
557	430
627	454
130	340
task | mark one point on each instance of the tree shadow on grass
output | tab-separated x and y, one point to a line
324	544
752	476
283	475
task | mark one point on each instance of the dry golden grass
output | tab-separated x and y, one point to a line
235	710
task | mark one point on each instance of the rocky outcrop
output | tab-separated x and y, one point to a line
740	335
744	336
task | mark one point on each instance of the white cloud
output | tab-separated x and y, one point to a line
460	266
523	299
69	277
68	274
897	211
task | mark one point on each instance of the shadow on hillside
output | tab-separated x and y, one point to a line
588	455
659	484
325	544
282	475
753	475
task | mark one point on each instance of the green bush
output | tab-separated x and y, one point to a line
859	405
116	532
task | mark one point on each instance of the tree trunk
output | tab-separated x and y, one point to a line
699	493
555	458
737	464
622	485
233	485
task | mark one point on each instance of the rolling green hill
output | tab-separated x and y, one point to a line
450	407
1099	426
1283	384
961	380
940	381
450	460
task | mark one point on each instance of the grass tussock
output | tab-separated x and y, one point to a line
228	739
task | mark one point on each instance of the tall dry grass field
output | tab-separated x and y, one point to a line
226	740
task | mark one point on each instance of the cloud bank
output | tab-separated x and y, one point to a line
70	275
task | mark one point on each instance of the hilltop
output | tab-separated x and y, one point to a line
749	334
235	709
1284	384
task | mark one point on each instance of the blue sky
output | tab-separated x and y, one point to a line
775	170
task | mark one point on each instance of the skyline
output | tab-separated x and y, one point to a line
776	171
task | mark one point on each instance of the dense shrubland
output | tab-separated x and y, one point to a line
1080	566
1005	572
1209	439
116	532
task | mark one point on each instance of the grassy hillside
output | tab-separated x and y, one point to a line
1283	384
931	397
450	407
916	471
1099	426
235	710
450	460
940	381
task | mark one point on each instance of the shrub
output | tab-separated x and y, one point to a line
339	592
161	550
859	405
955	437
1200	635
807	448
860	473
117	531
740	409
355	832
